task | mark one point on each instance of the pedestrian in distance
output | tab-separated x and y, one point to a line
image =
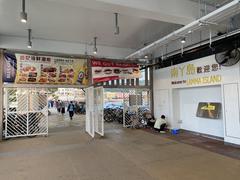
62	108
71	109
58	106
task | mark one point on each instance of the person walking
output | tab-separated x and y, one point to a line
70	109
62	107
58	106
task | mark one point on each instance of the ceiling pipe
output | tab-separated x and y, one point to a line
219	14
205	42
95	45
29	38
117	29
220	44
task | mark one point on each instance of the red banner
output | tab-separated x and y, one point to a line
108	70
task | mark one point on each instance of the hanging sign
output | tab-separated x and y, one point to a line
9	68
108	70
50	70
196	73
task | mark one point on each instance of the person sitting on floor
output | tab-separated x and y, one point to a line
160	124
149	119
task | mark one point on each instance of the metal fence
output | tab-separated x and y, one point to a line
136	102
25	112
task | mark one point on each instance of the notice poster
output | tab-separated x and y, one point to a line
51	70
108	70
209	110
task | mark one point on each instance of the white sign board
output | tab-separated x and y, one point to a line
198	73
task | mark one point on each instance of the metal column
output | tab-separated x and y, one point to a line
1	94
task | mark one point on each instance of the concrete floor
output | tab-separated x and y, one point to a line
57	120
123	154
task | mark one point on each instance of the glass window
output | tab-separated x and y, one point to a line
142	78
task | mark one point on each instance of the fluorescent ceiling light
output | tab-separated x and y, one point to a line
94	50
23	14
183	40
29	45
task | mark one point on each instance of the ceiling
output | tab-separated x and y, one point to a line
58	21
71	21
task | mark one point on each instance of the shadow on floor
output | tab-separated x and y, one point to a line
213	145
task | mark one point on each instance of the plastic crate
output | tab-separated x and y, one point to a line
174	131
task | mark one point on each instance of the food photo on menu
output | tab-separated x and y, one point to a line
136	71
66	75
126	71
108	71
117	71
48	74
98	71
28	73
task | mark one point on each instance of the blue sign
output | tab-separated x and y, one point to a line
9	68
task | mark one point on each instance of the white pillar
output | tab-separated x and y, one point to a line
1	93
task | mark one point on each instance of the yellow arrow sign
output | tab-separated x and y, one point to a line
208	107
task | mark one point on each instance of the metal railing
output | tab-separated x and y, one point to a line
136	103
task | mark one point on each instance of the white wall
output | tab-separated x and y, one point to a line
184	97
189	99
162	104
20	43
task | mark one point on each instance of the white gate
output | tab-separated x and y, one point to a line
94	111
26	112
98	110
90	111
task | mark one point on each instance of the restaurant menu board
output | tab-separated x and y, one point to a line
50	70
108	70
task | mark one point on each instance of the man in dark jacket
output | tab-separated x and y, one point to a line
71	109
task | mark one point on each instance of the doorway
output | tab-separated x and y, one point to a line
58	103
